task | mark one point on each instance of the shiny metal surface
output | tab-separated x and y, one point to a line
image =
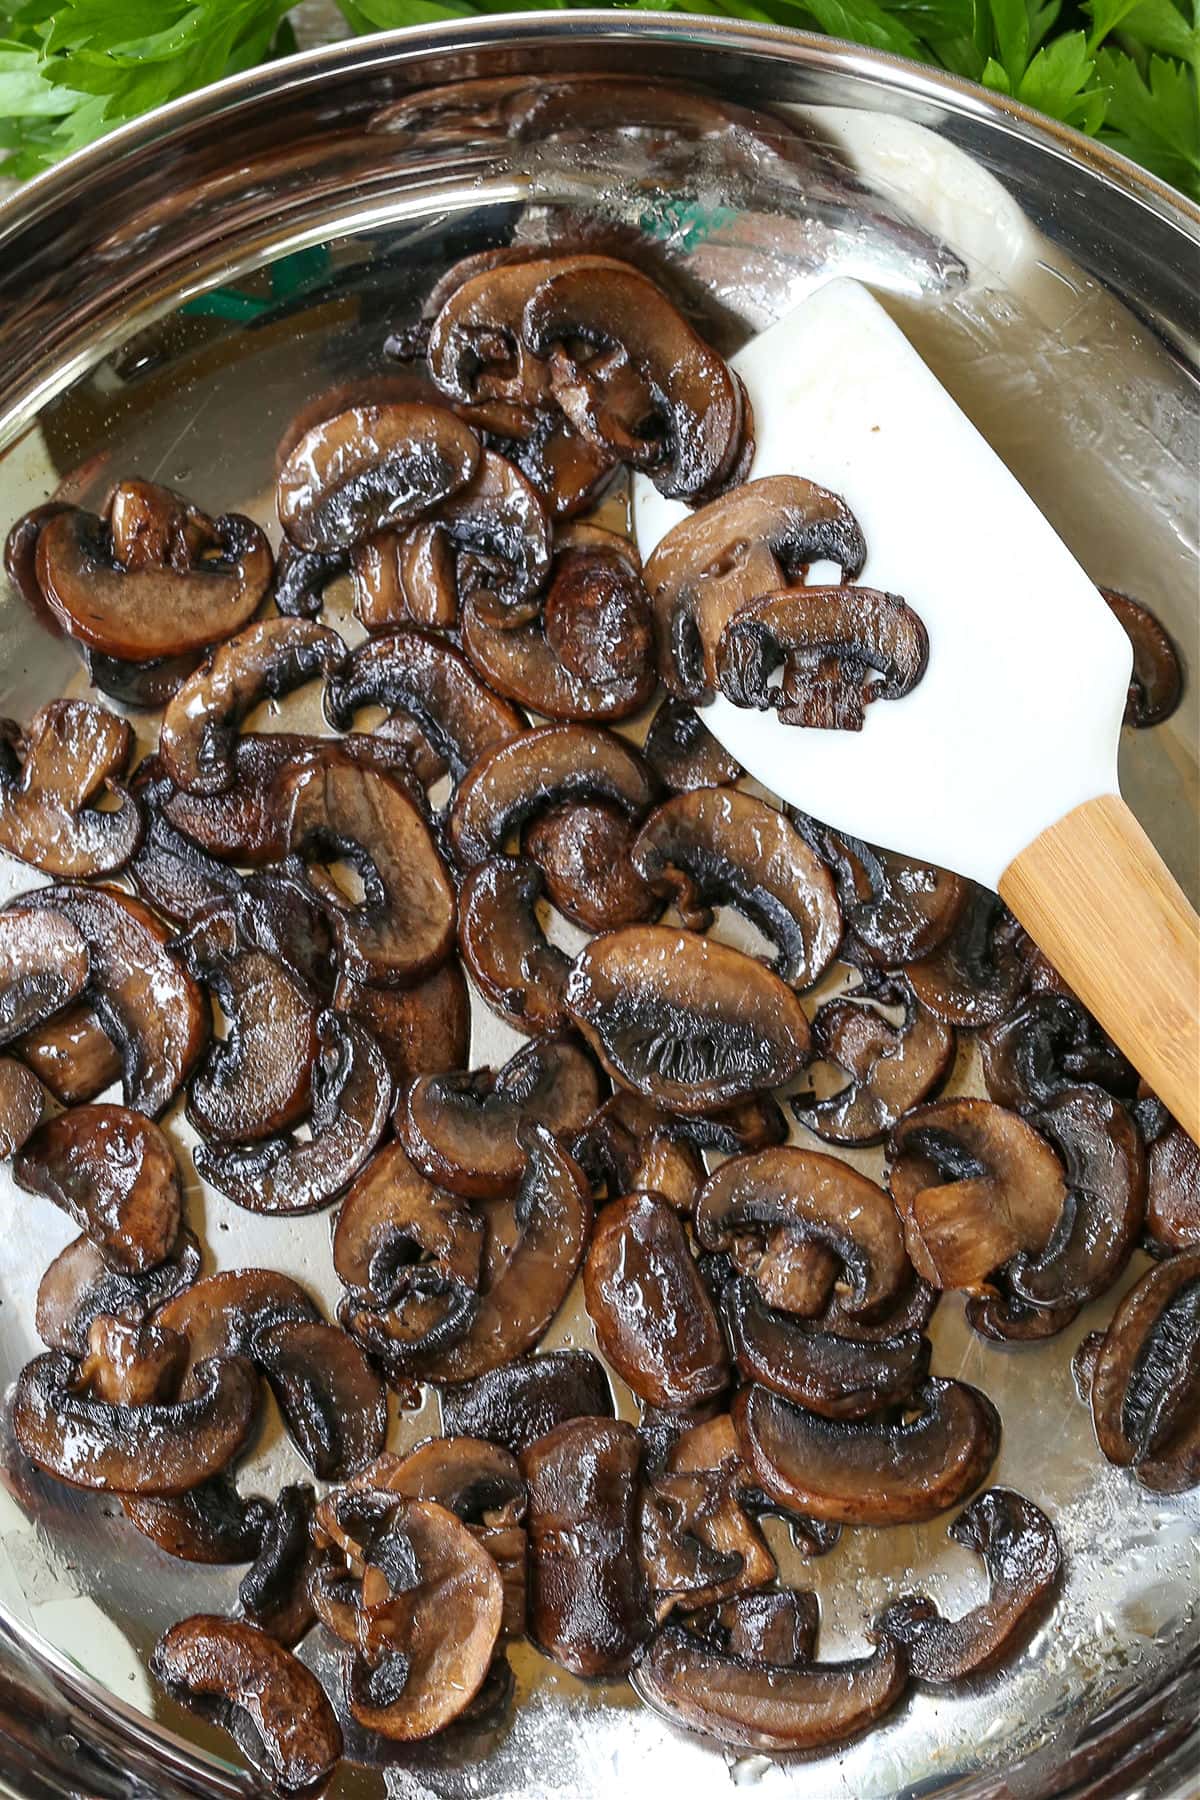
168	302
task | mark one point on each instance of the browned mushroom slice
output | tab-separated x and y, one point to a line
978	973
718	846
72	756
737	1701
403	927
698	1542
302	576
333	1403
281	918
1146	1379
519	972
222	1315
128	1364
163	1448
890	1068
21	1103
870	1471
1049	1043
525	1399
582	849
518	780
587	1598
1173	1192
421	1030
529	1282
628	1147
72	1055
829	1374
43	966
1023	1561
1005	1319
173	873
113	1172
274	1709
684	1020
776	1627
896	910
1156	685
812	1198
372	468
683	752
462	1129
273	1593
828	642
974	1184
520	661
268	659
751	541
144	997
80	1284
180	596
351	1095
596	610
20	555
653	1317
210	1523
416	673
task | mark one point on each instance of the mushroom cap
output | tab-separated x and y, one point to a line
74	754
113	1172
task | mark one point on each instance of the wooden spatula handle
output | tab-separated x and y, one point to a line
1095	895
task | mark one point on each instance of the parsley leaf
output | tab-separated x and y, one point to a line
1154	118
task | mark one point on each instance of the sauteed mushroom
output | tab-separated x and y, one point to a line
891	1068
421	1030
477	354
519	972
72	1055
628	1146
525	1399
523	663
80	1284
210	1523
72	755
1173	1191
222	1315
596	611
21	1103
977	973
113	1172
130	1364
1156	685
302	576
818	1369
43	966
171	871
683	752
896	910
582	849
699	1544
1050	1043
273	1593
333	1403
1146	1376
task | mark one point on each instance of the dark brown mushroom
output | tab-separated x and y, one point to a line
829	1374
43	966
113	1172
351	1095
698	1543
751	541
513	783
403	926
587	1600
776	1627
896	909
1156	685
171	871
168	596
72	1054
332	1401
302	576
684	1020
1173	1190
72	756
1023	1561
719	846
1004	1319
523	1400
462	1129
683	752
529	1281
1146	1379
521	662
890	1068
222	1315
21	1102
979	972
596	611
268	659
421	1030
414	672
141	687
274	1709
128	1364
165	1447
476	352
653	1317
144	998
273	1593
628	1147
812	1199
974	1184
876	1471
282	919
372	468
582	849
80	1284
516	968
828	641
1049	1043
210	1523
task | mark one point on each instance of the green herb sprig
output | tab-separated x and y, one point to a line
1124	71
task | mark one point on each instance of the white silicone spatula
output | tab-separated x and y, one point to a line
1002	763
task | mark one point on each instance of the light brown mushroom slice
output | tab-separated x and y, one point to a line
21	1103
71	1053
421	1030
890	1067
74	755
113	1172
43	967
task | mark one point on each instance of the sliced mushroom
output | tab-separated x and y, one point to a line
896	910
582	849
871	1471
1146	1379
222	1315
974	1185
202	585
144	997
530	1281
404	925
417	673
653	1317
21	1102
268	659
516	968
778	1627
113	1172
210	1523
828	642
890	1068
128	1364
1156	685
630	1146
1005	1319
596	611
462	1129
1050	1043
698	1542
587	1599
718	846
351	1095
73	755
521	662
274	1709
523	1400
684	1020
80	1284
1021	1554
1173	1191
302	576
828	1374
162	1448
171	871
421	1030
978	973
20	555
273	1593
281	918
513	783
43	966
72	1055
683	752
333	1403
736	1701
812	1198
751	541
372	468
